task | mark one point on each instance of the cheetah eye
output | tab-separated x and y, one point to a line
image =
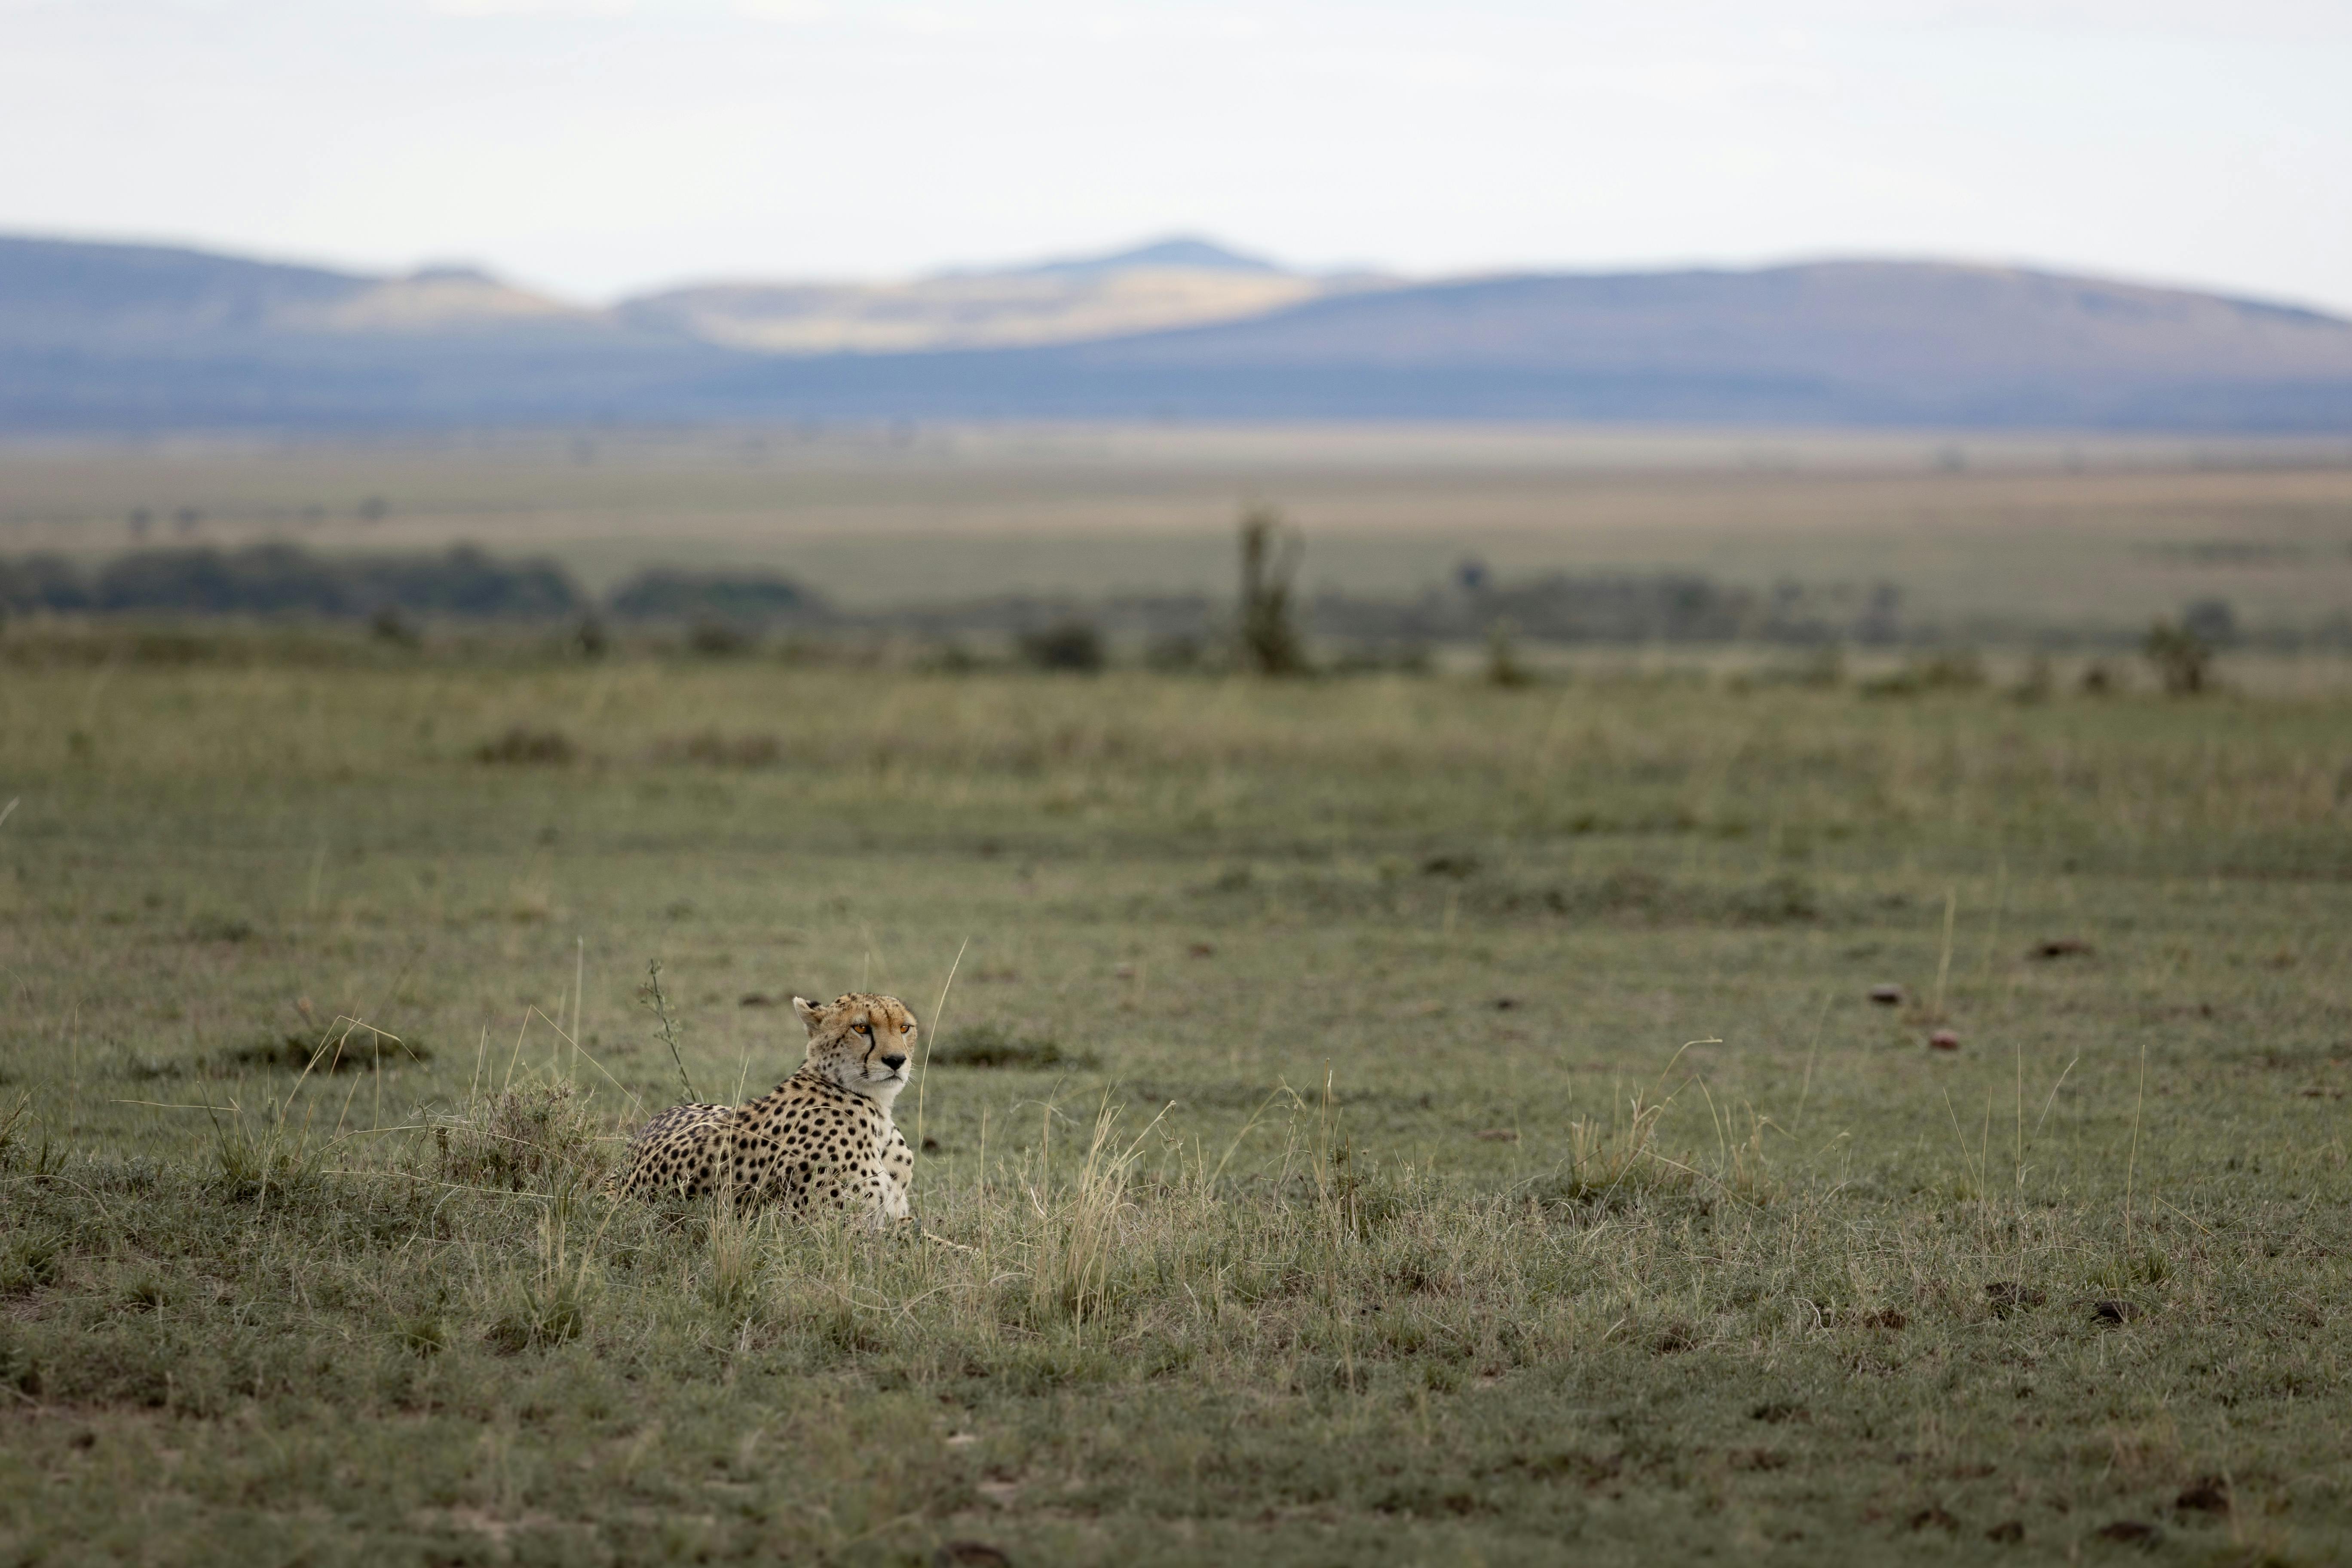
863	1030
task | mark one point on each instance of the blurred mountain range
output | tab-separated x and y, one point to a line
117	338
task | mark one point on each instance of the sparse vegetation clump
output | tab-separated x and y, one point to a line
521	743
709	637
1962	670
541	1136
1071	646
714	748
335	1051
1504	665
995	1045
1269	635
2182	659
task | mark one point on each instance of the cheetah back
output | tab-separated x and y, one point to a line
678	1151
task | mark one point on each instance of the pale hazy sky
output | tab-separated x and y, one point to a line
595	146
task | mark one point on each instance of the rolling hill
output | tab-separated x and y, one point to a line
1174	283
128	338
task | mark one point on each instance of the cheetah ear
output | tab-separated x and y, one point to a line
811	1013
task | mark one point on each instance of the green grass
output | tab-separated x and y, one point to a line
1384	1119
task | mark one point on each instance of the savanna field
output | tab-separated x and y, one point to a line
1390	1118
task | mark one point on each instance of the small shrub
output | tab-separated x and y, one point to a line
1961	671
713	749
1503	666
522	745
1076	647
1270	643
220	928
994	1046
359	1050
717	639
286	1053
389	625
2183	660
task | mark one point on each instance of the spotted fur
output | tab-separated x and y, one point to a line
822	1139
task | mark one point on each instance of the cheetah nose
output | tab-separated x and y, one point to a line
894	1061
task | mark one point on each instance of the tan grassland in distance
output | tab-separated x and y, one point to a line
2105	530
994	310
433	302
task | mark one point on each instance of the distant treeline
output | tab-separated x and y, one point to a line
1610	607
1621	607
731	611
464	583
285	581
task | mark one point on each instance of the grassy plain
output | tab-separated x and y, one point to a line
1379	1206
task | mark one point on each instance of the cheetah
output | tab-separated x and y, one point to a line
823	1138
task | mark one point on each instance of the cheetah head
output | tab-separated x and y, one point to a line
863	1042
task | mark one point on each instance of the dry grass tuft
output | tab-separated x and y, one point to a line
532	1136
712	748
